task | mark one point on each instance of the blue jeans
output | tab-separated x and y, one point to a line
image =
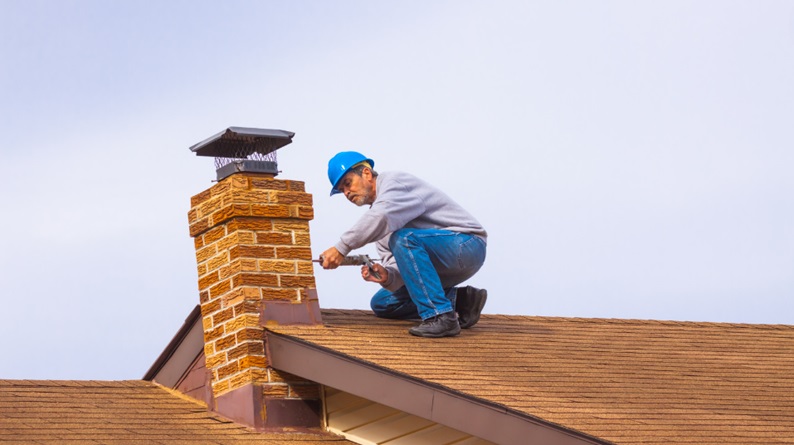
432	262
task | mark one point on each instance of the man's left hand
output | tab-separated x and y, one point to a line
380	270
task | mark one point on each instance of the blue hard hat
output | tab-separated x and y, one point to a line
341	163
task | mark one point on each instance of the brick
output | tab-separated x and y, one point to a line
250	334
237	266
201	197
241	322
305	212
305	392
208	207
297	186
192	216
214	334
296	281
241	294
249	223
221	187
239	182
226	342
251	375
292	198
205	254
222	316
228	212
252	362
270	210
213	361
210	308
279	390
198	242
255	279
204	296
268	184
248	307
214	234
259	252
208	280
246	237
209	349
269	293
305	267
221	387
206	321
295	253
290	225
250	196
250	348
202	269
236	238
228	369
217	261
220	288
278	238
233	297
199	227
277	266
301	239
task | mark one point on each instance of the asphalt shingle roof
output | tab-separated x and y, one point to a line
624	381
121	413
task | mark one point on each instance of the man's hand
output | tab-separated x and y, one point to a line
380	270
331	258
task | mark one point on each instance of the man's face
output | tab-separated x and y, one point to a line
359	189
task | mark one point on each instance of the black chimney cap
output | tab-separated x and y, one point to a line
240	142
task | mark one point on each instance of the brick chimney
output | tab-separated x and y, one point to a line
253	250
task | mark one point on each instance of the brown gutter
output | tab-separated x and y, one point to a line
434	402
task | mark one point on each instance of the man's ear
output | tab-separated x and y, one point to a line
366	173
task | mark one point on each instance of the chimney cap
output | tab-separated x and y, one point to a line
240	142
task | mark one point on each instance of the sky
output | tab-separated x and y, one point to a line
628	159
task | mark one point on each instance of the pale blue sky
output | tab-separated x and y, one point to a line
629	159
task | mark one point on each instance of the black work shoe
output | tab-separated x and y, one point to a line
444	325
469	304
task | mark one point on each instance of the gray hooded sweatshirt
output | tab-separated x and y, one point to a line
405	201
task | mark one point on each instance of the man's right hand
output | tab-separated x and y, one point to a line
331	258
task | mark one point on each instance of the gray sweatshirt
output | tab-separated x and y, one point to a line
403	200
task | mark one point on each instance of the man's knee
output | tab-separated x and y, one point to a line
378	307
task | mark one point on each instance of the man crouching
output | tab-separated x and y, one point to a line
427	242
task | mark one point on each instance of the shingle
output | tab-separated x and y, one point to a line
625	381
120	413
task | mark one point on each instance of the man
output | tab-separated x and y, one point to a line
427	242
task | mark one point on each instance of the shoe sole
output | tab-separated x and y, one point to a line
480	298
441	335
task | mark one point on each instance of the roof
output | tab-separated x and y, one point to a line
613	381
120	412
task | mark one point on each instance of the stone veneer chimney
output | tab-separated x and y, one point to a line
253	250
